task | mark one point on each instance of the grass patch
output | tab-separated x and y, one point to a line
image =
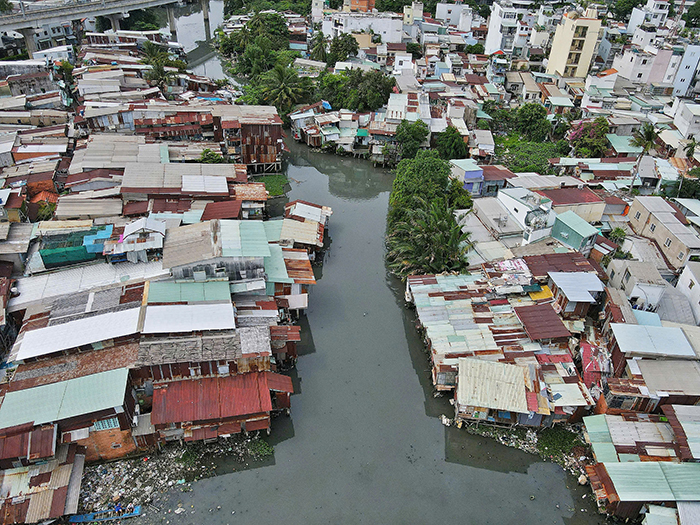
557	441
260	448
275	184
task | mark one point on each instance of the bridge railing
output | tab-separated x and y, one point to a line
31	11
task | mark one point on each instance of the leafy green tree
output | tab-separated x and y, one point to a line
477	49
531	121
618	235
589	138
355	89
483	124
415	49
159	77
451	144
283	88
272	26
318	47
428	241
141	20
258	58
645	138
211	157
694	172
342	47
153	54
623	8
690	147
410	136
692	17
5	6
426	176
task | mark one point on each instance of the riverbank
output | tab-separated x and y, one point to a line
141	480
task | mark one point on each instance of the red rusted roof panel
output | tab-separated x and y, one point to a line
230	209
279	383
541	322
211	398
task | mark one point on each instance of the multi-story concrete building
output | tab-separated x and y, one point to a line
686	71
654	218
610	45
574	44
654	12
387	25
510	26
648	65
687	118
689	285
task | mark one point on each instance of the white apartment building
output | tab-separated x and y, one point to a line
457	15
531	211
644	66
510	25
686	71
387	25
654	12
687	118
412	13
689	285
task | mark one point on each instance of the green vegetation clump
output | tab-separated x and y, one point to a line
526	156
275	184
211	157
355	89
259	448
423	236
557	441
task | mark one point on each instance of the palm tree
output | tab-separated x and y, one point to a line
159	77
154	54
283	88
318	47
689	149
644	138
427	241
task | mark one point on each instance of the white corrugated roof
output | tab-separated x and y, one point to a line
85	331
173	318
491	385
652	340
577	286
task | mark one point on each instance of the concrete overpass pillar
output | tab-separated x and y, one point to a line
205	13
28	34
114	20
172	22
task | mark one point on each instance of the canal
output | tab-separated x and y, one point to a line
364	443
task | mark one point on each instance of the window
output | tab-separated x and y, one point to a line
652	227
681	255
639	75
644	61
627	276
637	215
106	424
687	67
612	274
667	242
691	284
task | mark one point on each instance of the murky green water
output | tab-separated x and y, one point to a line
364	443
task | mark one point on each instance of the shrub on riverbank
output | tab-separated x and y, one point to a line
275	184
423	236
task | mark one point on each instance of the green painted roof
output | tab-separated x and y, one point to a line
577	224
172	292
58	401
655	481
466	164
605	452
243	239
273	230
275	269
481	114
361	132
164	154
622	144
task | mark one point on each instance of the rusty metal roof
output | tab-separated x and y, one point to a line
229	209
279	383
212	398
562	196
541	322
541	265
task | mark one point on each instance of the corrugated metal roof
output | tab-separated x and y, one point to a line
243	239
174	318
273	229
486	384
652	340
640	481
59	401
188	292
671	376
689	512
275	269
689	419
230	209
211	398
541	322
86	331
306	232
577	286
